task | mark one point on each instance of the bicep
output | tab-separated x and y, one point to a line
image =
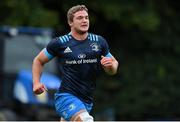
42	57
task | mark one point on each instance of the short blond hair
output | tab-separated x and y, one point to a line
73	10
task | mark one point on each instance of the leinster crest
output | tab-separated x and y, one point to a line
95	47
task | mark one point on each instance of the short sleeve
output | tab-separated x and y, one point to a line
52	48
105	47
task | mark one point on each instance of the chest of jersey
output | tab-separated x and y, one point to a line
80	52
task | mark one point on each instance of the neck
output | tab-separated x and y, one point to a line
79	36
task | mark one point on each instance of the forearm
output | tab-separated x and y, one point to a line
36	70
113	69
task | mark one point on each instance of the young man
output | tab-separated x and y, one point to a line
82	55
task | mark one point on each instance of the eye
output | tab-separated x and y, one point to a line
82	17
87	17
79	17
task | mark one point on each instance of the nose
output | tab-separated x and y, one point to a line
84	19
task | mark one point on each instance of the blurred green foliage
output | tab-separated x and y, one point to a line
143	35
26	13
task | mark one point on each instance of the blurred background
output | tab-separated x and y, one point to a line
143	35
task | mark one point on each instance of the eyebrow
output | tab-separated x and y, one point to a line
83	16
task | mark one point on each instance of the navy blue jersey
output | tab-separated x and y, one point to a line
80	63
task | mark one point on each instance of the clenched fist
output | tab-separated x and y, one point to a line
106	62
39	88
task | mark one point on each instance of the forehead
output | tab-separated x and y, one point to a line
80	13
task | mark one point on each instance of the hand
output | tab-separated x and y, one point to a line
39	88
106	62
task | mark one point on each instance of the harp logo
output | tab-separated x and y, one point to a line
95	47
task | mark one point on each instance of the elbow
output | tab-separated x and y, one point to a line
114	69
37	61
112	73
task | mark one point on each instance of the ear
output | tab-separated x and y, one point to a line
70	23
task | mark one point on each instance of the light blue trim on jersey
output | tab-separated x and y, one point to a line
67	37
61	39
109	55
97	38
90	37
49	56
93	37
64	38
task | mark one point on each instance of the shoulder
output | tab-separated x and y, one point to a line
95	37
64	38
61	40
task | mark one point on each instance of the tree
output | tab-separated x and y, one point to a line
26	13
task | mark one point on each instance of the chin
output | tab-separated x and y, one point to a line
83	31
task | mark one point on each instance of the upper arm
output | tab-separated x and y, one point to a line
105	50
105	47
49	52
42	58
52	48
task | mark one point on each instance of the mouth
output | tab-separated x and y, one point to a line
84	25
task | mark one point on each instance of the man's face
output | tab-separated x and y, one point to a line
80	22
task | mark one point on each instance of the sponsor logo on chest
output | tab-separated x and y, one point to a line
67	50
